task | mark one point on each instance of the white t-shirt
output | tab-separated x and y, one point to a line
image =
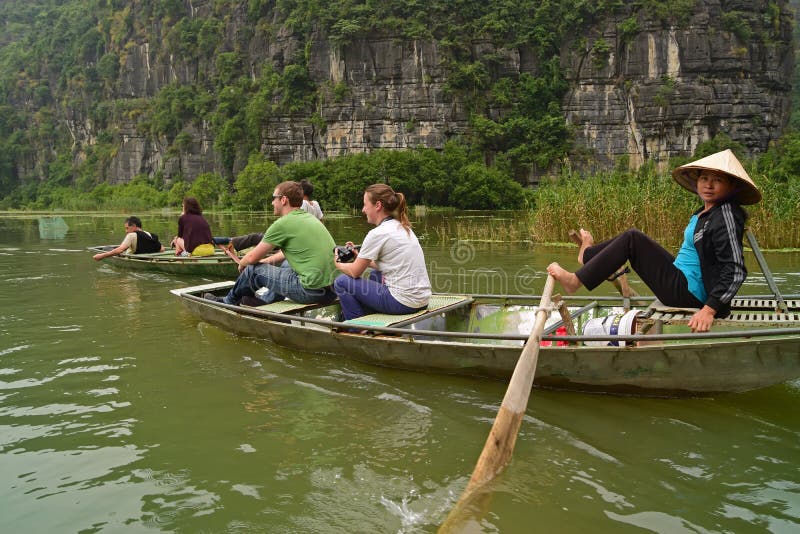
312	208
131	239
399	257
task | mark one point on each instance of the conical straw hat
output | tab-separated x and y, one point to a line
726	163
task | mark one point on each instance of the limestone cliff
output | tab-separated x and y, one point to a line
666	89
640	88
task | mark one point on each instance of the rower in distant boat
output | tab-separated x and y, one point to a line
194	233
137	241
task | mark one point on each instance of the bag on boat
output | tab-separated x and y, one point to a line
613	325
206	249
147	242
560	331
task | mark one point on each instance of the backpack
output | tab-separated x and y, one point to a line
147	242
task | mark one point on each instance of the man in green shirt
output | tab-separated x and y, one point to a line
301	270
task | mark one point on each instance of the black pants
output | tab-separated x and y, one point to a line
652	262
246	241
241	242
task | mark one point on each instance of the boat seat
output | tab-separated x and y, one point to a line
759	315
437	304
750	303
289	306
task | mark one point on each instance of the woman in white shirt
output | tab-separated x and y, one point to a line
399	281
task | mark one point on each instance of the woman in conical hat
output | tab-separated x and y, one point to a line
709	267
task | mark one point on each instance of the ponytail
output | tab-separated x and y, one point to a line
393	203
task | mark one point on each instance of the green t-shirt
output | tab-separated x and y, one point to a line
307	245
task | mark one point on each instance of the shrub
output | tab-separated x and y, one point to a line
209	189
254	185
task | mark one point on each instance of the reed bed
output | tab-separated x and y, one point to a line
654	203
607	204
505	228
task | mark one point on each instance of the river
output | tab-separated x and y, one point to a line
120	412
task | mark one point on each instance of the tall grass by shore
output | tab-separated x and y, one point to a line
607	204
505	227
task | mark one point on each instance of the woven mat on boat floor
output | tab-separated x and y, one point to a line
437	303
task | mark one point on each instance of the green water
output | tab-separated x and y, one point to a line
119	412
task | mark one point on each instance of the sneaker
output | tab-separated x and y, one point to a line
252	302
213	297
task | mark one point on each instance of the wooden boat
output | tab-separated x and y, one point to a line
482	335
219	264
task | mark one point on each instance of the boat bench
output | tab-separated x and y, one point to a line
289	306
744	312
437	304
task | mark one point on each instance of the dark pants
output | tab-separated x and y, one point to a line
652	262
241	242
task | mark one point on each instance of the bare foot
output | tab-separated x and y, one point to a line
586	241
568	280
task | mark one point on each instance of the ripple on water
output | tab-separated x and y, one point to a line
62	478
773	500
13	349
320	389
66	328
247	490
604	493
339	501
26	279
657	522
407	402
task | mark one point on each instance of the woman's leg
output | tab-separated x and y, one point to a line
359	297
586	241
348	289
652	262
246	241
179	246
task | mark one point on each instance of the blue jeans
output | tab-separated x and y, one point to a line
282	282
360	297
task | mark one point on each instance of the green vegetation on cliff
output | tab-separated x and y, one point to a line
62	63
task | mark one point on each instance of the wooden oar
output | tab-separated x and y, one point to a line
500	443
228	252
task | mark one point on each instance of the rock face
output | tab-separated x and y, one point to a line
394	98
645	94
667	89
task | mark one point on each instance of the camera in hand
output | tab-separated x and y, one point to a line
346	253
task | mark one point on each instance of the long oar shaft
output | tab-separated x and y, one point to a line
499	444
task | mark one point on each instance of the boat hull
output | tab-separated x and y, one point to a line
218	265
685	369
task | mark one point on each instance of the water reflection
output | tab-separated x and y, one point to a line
52	228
